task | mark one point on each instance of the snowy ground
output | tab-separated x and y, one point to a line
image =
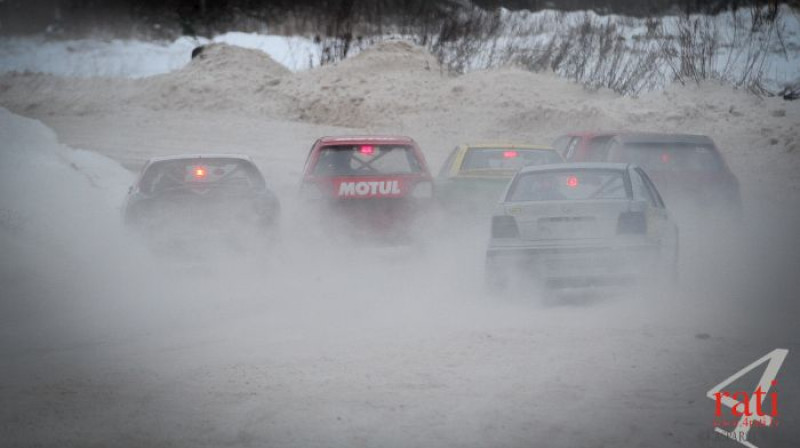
319	344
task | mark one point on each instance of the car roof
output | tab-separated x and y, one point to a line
497	145
653	137
601	133
356	139
200	156
576	166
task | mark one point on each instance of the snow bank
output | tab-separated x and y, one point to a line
136	59
54	199
89	57
633	55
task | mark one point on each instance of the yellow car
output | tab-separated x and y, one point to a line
474	175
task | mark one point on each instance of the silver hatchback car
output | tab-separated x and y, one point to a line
581	225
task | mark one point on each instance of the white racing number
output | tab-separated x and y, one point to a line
750	407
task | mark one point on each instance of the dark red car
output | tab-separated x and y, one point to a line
371	183
688	169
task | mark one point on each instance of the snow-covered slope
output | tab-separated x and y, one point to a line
54	199
45	182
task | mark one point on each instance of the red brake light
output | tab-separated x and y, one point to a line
572	181
510	154
367	150
199	172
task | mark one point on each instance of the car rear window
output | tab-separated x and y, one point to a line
366	160
669	156
218	173
506	159
569	185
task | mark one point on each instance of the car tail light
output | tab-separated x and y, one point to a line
504	227
199	172
632	223
422	190
572	181
510	154
367	150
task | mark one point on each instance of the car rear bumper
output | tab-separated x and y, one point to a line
393	221
572	265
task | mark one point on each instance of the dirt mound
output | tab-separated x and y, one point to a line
530	105
221	77
371	89
400	87
393	56
217	60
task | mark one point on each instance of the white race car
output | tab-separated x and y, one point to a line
581	225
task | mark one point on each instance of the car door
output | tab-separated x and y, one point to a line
669	235
658	221
570	152
560	144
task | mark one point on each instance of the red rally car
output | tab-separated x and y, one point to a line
373	183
